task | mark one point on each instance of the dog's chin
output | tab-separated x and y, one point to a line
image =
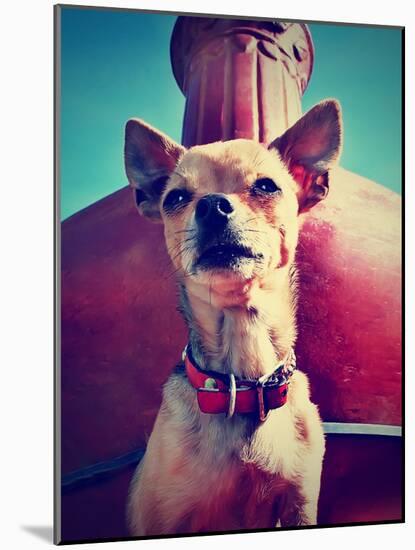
228	275
224	277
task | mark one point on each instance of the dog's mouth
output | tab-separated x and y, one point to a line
226	256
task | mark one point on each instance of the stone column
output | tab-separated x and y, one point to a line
241	79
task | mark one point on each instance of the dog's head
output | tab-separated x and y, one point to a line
230	209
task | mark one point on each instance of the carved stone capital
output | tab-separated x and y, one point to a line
289	42
241	78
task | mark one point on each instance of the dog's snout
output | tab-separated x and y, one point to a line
213	209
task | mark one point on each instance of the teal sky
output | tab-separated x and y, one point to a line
116	65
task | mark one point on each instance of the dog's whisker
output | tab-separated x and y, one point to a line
185	231
181	245
183	251
172	273
187	272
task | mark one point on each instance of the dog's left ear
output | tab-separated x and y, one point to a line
310	148
150	156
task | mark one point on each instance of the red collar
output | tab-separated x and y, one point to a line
223	393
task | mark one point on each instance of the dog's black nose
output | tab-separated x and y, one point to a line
214	209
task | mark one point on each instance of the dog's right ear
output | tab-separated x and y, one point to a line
310	148
150	156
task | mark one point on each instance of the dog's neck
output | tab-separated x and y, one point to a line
247	340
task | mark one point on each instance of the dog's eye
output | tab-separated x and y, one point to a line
266	186
176	199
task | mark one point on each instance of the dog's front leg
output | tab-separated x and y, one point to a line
156	505
301	505
300	513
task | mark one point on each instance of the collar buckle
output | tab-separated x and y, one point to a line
232	396
263	415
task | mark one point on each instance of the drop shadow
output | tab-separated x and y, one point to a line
43	532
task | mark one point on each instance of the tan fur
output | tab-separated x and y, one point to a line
208	472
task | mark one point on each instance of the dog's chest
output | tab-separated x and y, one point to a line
239	496
237	480
265	447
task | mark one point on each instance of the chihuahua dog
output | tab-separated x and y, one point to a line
237	443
